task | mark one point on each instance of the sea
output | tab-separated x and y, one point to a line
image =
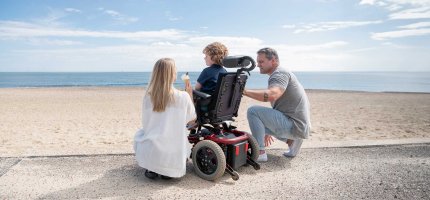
346	81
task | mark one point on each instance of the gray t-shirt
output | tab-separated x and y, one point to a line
293	103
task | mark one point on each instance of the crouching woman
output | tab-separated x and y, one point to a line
161	146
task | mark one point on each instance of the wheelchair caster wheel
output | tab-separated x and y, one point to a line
235	176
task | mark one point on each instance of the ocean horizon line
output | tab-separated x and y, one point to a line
254	71
375	81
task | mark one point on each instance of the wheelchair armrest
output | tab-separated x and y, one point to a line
201	94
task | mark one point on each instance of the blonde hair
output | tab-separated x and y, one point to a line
217	51
160	88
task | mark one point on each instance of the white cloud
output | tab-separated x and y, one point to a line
315	47
403	9
170	16
393	45
73	10
53	42
364	2
329	56
394	7
15	29
327	1
381	3
415	29
416	25
112	13
187	51
415	13
384	3
329	26
229	40
400	34
289	26
118	17
313	57
52	19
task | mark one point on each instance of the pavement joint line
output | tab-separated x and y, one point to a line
8	168
71	156
369	146
130	154
359	146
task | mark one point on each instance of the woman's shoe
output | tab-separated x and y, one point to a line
151	175
165	177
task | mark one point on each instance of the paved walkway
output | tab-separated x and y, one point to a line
369	172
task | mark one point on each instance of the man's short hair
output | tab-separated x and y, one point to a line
269	52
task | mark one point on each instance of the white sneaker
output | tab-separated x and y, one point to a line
262	157
294	149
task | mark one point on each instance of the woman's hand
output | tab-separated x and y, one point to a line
189	88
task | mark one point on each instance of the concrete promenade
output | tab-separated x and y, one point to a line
400	171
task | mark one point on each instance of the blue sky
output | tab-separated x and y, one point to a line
312	35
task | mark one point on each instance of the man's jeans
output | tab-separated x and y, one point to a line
264	120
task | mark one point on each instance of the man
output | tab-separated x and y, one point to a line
289	118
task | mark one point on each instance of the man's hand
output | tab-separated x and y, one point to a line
268	140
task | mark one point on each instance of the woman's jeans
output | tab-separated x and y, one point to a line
264	120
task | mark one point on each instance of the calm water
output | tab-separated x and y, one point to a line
356	81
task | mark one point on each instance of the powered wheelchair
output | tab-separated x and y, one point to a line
217	145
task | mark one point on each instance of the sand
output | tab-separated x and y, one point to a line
103	120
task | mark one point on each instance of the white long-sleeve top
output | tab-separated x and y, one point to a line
161	145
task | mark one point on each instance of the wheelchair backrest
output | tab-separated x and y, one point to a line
225	101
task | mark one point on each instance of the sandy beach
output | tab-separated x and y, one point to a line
103	120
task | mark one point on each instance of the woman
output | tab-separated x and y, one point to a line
161	145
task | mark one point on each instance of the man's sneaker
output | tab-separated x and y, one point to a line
294	148
262	157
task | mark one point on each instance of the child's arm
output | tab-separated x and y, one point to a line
198	86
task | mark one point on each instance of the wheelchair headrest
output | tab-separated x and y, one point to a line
239	62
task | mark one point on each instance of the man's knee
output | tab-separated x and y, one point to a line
252	111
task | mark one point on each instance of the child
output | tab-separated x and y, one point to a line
214	54
161	145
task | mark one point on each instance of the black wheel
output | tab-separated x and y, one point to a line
253	148
208	160
235	176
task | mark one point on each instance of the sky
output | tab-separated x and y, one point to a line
130	35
